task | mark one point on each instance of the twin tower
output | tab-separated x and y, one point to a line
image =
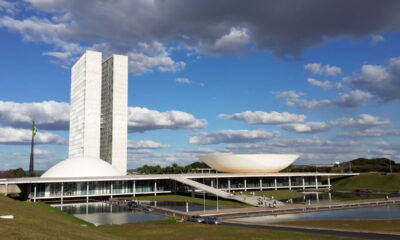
99	109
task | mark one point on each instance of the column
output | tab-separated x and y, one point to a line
6	190
155	187
34	193
87	192
260	184
329	182
111	190
229	184
276	184
316	182
304	183
62	193
245	184
212	183
134	188
290	183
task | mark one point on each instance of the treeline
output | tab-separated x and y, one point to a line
16	173
357	165
174	168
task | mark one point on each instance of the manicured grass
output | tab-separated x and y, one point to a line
39	221
377	182
181	198
362	225
279	194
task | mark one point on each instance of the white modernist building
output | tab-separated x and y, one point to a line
249	163
99	109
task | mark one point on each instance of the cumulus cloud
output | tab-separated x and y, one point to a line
383	81
259	117
324	84
371	132
49	115
183	80
308	127
70	25
317	68
13	136
352	99
231	136
143	119
363	121
146	144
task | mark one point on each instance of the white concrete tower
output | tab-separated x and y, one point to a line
114	112
85	108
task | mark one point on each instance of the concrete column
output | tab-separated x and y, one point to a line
212	183
245	184
62	193
34	193
276	184
6	190
229	184
260	184
111	190
290	183
316	182
329	182
87	192
155	187
134	188
304	183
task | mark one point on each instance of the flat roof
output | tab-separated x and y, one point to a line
165	176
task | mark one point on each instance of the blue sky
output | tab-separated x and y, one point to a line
307	78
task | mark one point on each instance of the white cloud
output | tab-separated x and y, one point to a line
183	80
376	38
143	119
259	117
324	84
146	144
370	132
352	99
231	136
317	68
13	136
234	41
363	121
383	81
308	127
48	115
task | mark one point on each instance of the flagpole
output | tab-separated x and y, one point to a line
31	166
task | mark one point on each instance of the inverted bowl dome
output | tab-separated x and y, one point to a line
249	163
81	167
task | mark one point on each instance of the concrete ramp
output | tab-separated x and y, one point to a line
250	200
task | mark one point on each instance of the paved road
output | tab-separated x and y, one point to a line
380	236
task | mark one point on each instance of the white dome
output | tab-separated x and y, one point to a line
249	163
81	167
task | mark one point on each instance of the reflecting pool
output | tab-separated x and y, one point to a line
385	212
100	213
184	206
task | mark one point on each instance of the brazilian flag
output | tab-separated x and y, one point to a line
34	129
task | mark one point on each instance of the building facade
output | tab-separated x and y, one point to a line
99	109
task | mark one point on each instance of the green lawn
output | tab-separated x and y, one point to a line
364	225
279	194
377	182
39	221
181	198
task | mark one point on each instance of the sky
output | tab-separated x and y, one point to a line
316	78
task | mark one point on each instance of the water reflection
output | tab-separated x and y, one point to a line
100	213
184	206
320	197
386	212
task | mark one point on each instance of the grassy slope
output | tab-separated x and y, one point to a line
365	225
39	221
371	181
180	198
